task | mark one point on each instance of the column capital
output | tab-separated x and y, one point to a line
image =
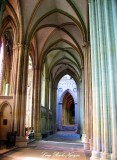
20	45
24	45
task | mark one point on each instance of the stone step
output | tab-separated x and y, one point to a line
68	128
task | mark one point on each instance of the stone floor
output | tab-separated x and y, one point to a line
53	148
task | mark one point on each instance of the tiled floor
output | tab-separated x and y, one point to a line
50	149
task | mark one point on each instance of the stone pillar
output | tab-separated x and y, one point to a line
13	89
77	119
114	87
86	123
90	111
60	116
88	97
47	102
104	102
82	107
33	97
54	91
20	97
14	71
104	85
37	102
95	82
111	40
79	106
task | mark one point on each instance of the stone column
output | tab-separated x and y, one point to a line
13	89
114	87
76	114
82	107
37	102
14	71
86	91
54	91
104	85
33	97
60	115
88	98
90	111
110	26
20	97
104	102
79	126
95	82
15	111
47	102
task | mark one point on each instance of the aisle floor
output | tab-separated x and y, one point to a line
51	148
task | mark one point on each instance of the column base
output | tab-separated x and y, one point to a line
86	144
95	155
113	156
83	137
21	142
105	156
37	136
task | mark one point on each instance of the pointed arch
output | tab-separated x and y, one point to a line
70	92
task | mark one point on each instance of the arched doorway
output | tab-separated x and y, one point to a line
68	110
5	120
72	113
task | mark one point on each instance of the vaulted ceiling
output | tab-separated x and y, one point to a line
56	31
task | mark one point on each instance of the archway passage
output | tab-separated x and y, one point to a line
72	113
68	110
5	120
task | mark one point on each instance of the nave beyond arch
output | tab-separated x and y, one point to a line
41	41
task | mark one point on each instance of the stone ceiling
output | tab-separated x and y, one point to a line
56	30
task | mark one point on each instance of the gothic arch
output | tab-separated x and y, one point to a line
64	93
3	104
5	119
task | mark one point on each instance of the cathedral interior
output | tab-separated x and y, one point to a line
58	71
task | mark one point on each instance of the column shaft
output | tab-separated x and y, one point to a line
87	93
112	63
47	102
37	103
104	86
20	98
95	82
